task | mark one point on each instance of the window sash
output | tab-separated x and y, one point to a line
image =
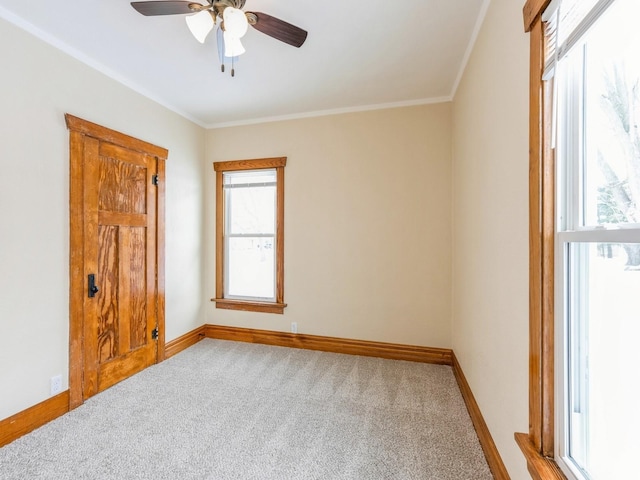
571	259
580	295
227	267
229	185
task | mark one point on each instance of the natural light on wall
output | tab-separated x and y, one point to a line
596	66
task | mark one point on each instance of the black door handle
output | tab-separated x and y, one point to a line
92	288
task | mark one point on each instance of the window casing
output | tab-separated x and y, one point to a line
250	235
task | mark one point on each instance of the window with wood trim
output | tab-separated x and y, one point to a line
250	235
584	238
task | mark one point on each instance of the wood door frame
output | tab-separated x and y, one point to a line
78	130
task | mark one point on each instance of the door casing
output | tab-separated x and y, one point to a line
81	131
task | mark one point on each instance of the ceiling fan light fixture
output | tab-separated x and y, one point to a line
232	23
200	24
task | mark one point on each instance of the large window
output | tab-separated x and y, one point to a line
250	234
585	239
598	244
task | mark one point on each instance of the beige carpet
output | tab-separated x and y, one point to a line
229	410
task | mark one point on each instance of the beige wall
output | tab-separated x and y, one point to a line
389	236
490	218
367	223
39	84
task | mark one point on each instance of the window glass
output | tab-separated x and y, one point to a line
250	212
611	180
598	240
251	270
603	383
250	201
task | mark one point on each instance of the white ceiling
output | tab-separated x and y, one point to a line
359	54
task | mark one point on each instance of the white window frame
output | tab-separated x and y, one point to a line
228	235
570	229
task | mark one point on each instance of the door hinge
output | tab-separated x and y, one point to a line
154	180
154	333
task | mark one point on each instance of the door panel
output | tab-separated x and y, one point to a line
107	298
114	201
136	335
122	186
125	203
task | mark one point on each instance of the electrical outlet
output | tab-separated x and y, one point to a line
56	384
294	327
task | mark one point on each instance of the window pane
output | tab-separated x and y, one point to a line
250	198
603	379
611	177
251	210
251	271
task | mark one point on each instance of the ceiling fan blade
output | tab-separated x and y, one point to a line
163	7
279	29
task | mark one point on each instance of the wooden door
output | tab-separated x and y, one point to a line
115	293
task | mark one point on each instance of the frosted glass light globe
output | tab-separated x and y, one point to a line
200	24
235	22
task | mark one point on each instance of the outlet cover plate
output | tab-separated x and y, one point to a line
56	384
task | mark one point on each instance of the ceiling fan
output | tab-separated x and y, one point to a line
231	20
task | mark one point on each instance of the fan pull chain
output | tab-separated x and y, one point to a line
233	71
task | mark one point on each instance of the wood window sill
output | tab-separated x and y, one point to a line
540	468
248	306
